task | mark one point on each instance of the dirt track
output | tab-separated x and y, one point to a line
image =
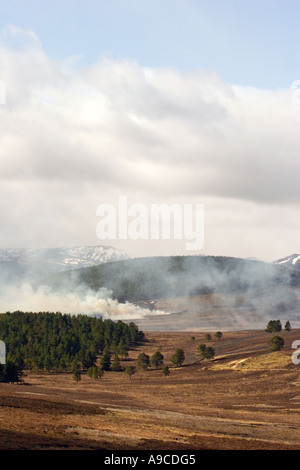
247	398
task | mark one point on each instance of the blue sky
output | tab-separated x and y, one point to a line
247	42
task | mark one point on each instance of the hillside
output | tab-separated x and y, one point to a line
292	262
192	292
245	398
36	263
177	276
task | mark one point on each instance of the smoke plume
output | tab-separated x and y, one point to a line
81	300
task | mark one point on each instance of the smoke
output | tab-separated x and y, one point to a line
81	300
167	293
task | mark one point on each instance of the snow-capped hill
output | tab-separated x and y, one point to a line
33	263
292	262
84	256
66	258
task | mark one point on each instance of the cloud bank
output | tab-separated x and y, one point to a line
73	137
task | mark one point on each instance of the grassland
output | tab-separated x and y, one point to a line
246	398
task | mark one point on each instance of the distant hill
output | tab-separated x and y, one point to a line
177	276
33	264
292	262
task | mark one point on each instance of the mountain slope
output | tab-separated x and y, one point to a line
161	277
292	262
39	263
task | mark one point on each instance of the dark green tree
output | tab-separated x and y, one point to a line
116	364
218	334
130	371
143	361
122	349
12	373
47	363
276	343
274	326
93	373
157	360
88	359
105	360
208	353
100	372
208	337
1	372
178	358
77	375
287	326
166	371
201	348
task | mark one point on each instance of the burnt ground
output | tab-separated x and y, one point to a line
246	398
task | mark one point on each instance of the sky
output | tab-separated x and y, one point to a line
170	101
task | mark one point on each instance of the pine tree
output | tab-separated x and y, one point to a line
143	361
92	372
130	371
77	375
208	353
116	365
201	348
157	360
274	326
105	360
276	343
100	372
287	326
1	372
178	358
12	373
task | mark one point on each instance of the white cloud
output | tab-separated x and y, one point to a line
16	37
72	137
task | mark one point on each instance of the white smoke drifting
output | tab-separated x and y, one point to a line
81	300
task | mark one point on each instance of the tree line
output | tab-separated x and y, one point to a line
144	361
156	361
63	342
